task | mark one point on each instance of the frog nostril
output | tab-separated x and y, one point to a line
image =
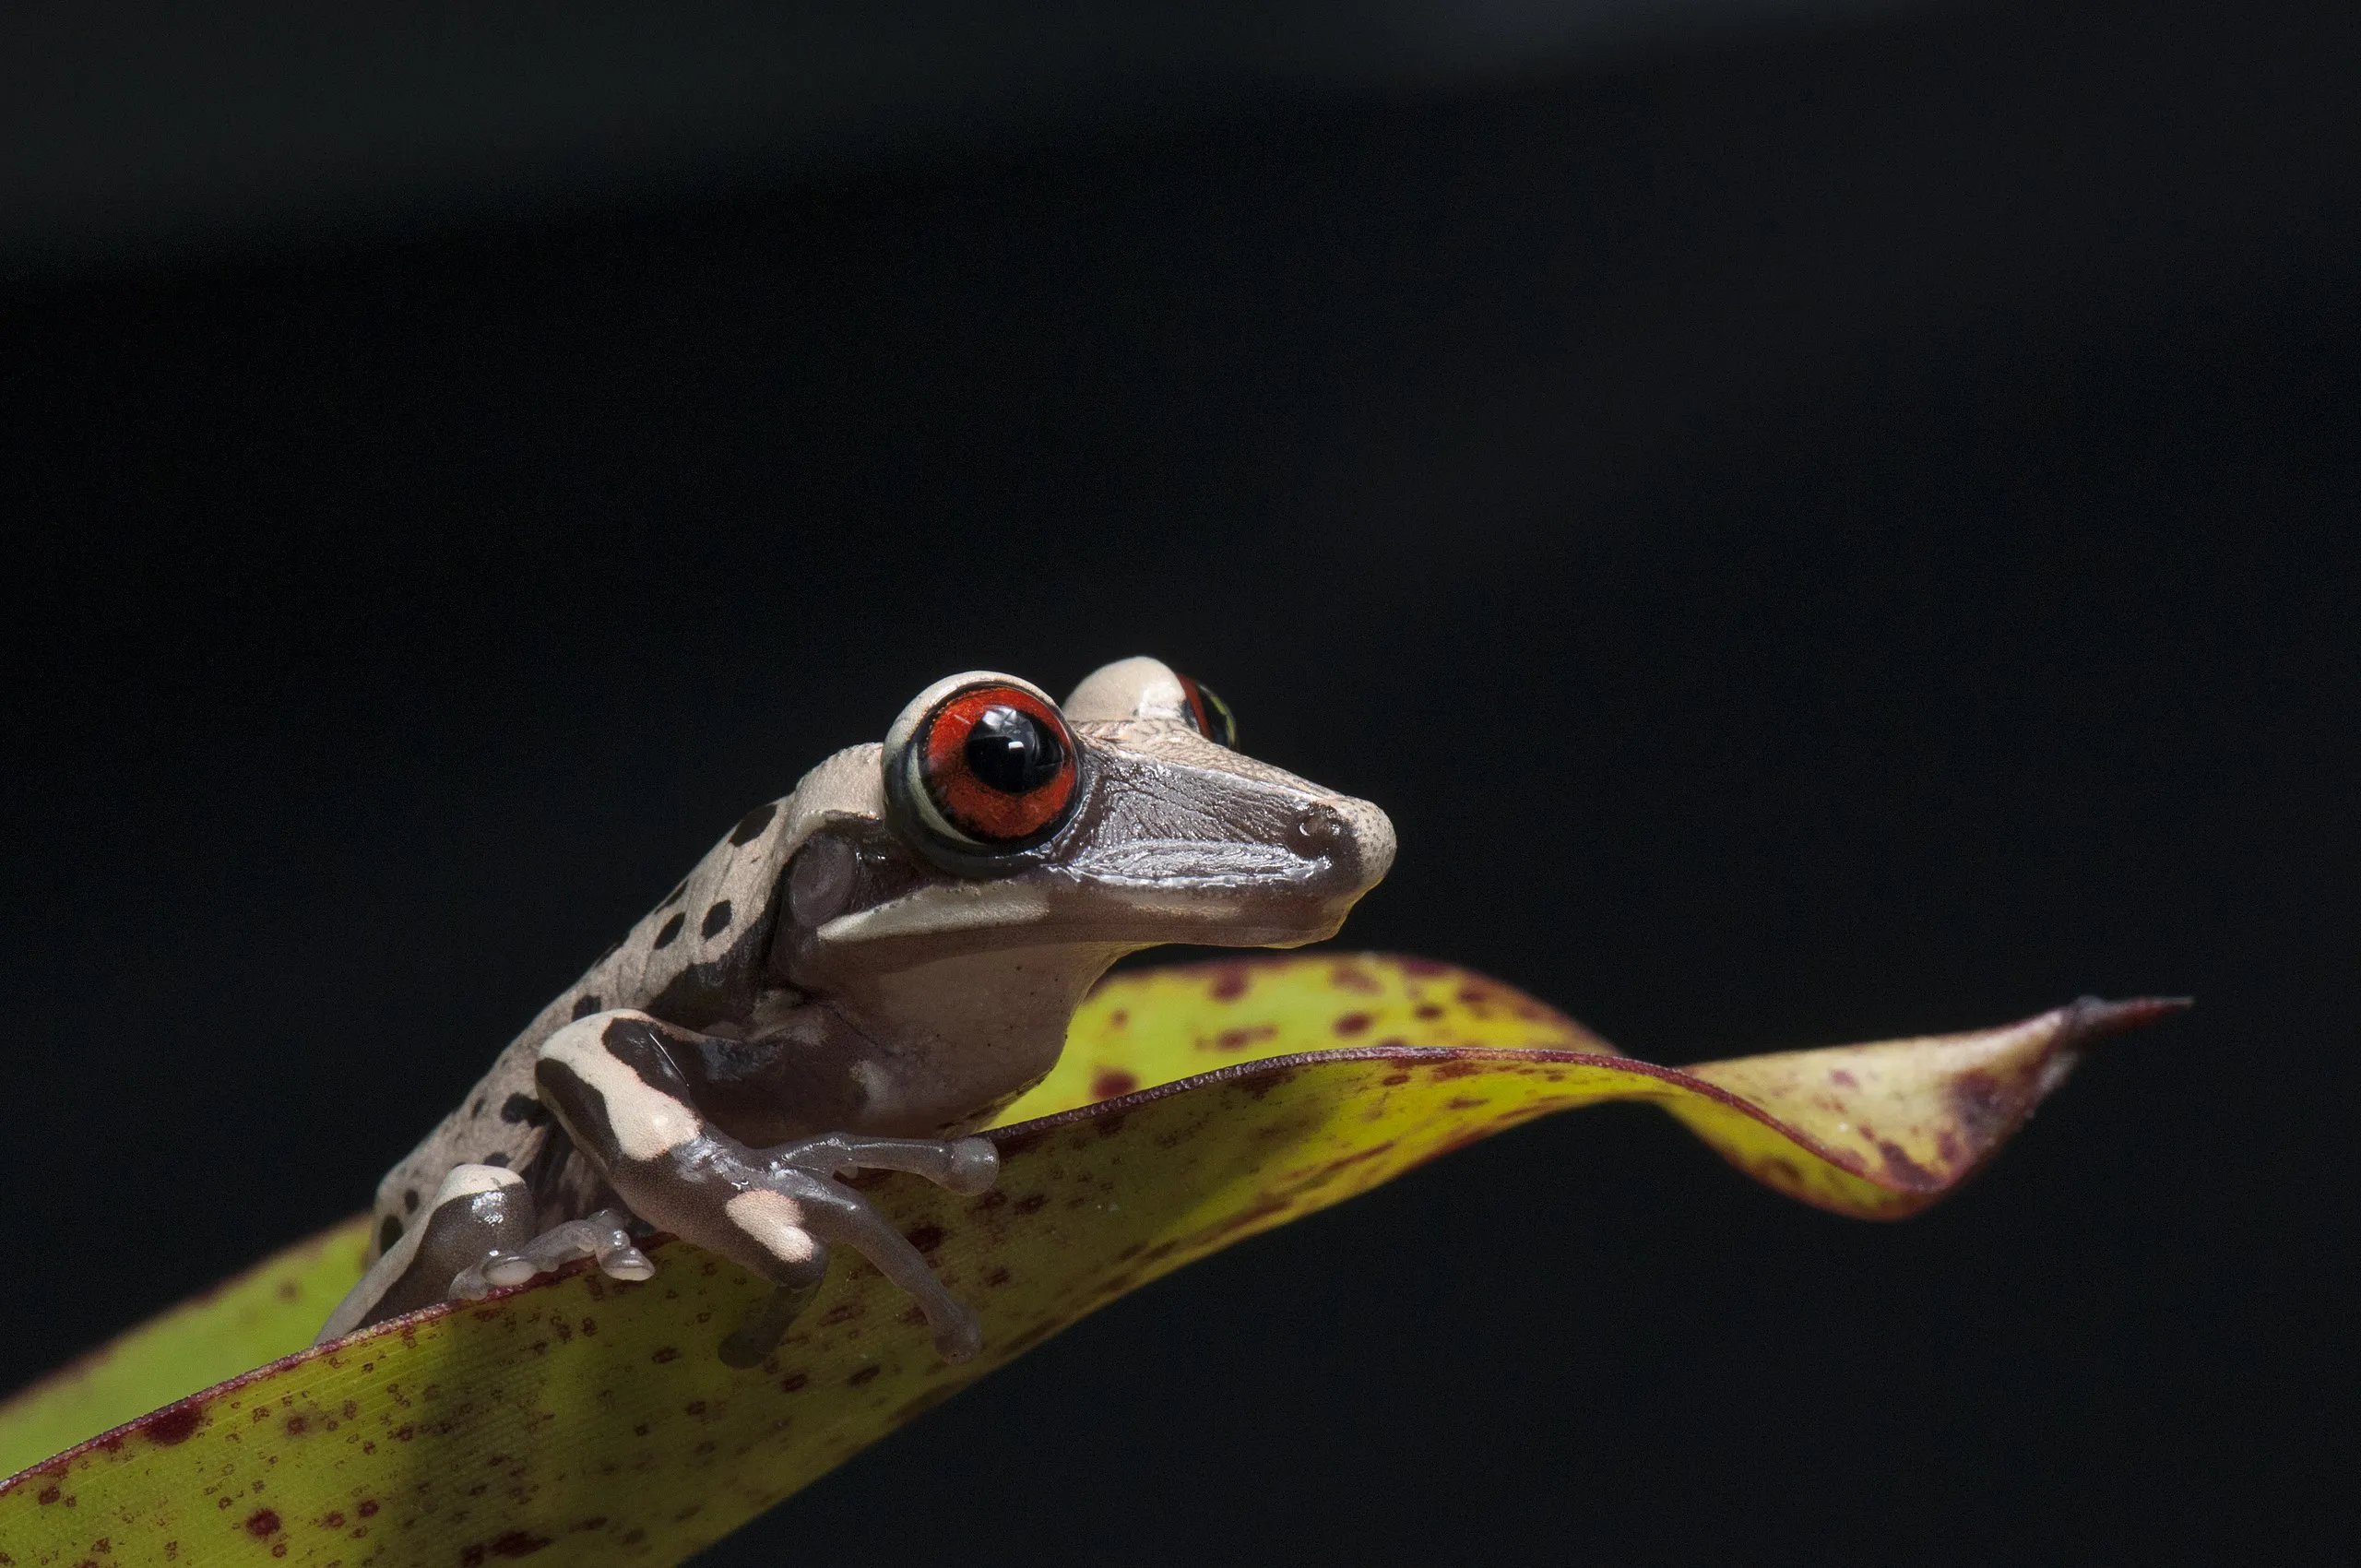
1317	830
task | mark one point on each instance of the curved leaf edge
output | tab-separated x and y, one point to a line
2078	1023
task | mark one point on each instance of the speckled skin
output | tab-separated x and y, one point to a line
669	965
835	986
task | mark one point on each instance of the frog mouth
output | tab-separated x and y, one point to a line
1283	882
1224	894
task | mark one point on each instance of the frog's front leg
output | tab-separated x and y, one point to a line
611	1079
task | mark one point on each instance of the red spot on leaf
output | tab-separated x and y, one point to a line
517	1543
297	1426
864	1375
1031	1202
1839	1076
367	1507
792	1382
262	1524
1112	1083
1119	1017
664	1353
1349	977
926	1238
1446	1070
1427	1010
1353	1022
1904	1171
1346	1161
47	1494
1393	1080
1228	985
1262	1084
1981	1106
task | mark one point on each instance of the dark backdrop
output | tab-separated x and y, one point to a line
1815	539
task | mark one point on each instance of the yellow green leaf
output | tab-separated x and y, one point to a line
577	1419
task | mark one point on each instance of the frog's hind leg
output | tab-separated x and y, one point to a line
477	1210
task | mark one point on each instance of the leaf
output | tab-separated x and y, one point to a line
580	1420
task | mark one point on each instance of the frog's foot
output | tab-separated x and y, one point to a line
605	1236
800	1201
477	1210
615	1084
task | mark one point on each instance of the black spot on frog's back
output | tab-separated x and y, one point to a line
749	826
716	919
671	929
389	1230
585	1005
524	1107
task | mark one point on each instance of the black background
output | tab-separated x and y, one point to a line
1811	539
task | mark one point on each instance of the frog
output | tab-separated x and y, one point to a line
857	977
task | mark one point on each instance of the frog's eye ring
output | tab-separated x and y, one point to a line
979	769
1211	716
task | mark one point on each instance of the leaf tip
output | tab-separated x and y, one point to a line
2091	1018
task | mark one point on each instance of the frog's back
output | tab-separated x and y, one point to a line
696	959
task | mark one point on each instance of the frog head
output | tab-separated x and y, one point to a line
981	870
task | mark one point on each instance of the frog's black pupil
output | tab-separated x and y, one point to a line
1012	752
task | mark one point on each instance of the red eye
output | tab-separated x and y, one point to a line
998	765
1210	714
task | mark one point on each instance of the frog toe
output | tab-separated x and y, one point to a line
604	1237
972	1166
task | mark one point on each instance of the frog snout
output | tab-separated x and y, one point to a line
1353	838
